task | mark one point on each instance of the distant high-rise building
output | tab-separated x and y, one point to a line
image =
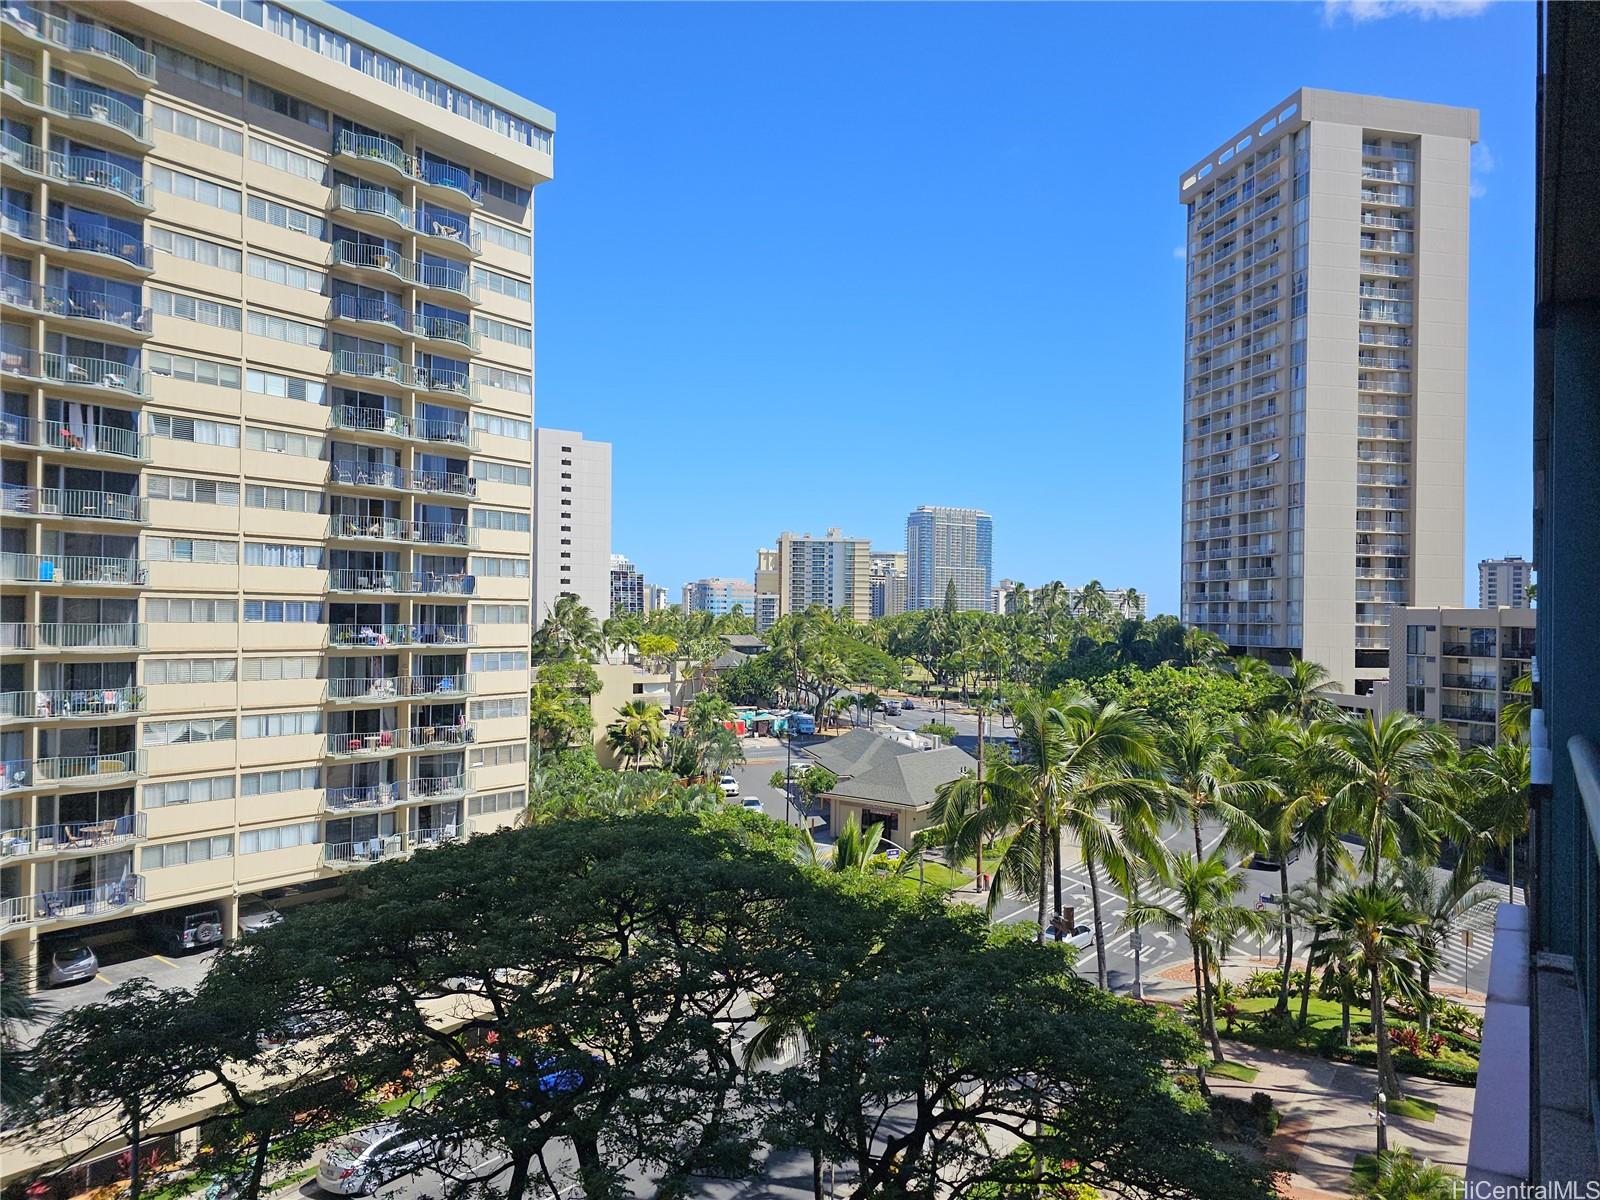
1002	597
766	611
890	587
571	521
945	545
656	598
627	586
1503	582
1325	367
1457	665
767	573
719	596
833	571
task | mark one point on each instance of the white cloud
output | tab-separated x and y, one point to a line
1361	11
1483	163
1180	253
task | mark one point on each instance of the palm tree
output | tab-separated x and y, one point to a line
1201	649
1305	691
1499	778
1442	901
1372	924
18	1007
1516	715
569	630
637	733
1207	912
1393	767
1266	756
1402	1177
1200	777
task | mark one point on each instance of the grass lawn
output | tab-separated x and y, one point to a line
1323	1016
1365	1172
1233	1070
1417	1110
939	875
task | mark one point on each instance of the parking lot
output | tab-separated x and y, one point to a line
122	961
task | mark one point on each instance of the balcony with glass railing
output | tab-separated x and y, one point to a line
71	837
98	374
73	903
72	704
85	570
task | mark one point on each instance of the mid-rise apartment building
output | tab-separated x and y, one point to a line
945	546
1325	377
766	612
627	587
266	447
572	521
834	571
1456	666
1123	602
1504	582
768	574
890	586
656	598
719	597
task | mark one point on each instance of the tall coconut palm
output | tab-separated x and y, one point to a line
1517	714
1304	691
1442	900
1202	779
1498	777
568	630
1266	747
1394	767
1372	924
637	733
1205	909
1074	751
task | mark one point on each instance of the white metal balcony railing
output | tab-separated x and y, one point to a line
421	168
372	795
401	582
72	636
88	766
377	636
399	687
73	903
403	479
437	787
443	277
74	503
387	741
395	529
394	424
73	703
80	170
72	568
82	371
361	853
72	836
96	439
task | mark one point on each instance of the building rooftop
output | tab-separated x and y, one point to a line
909	779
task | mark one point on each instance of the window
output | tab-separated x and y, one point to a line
280	158
190	612
498	660
288	106
499	756
188	791
506	381
177	854
499	518
1416	639
197	129
191	550
288	724
496	472
191	491
189	670
286	612
499	331
278	554
269	383
192	187
505	285
506	427
285	217
499	235
270	783
502	189
257	495
497	802
192	308
280	441
195	370
500	614
278	837
275	270
508	706
500	568
193	249
283	329
305	666
192	429
183	63
194	730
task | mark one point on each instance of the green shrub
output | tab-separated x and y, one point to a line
1267	983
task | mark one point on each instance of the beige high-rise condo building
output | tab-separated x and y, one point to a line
889	582
1457	665
267	367
1325	377
834	571
1504	582
571	522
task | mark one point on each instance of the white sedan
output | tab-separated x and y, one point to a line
729	785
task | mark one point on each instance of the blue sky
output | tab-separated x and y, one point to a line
814	265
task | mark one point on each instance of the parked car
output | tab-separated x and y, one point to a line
729	785
71	962
179	932
256	915
356	1164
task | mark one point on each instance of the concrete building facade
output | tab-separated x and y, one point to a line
627	586
890	586
834	571
719	597
1456	665
1504	582
1325	377
268	396
766	614
572	521
949	545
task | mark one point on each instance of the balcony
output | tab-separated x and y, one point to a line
95	441
392	424
72	637
393	688
400	479
357	799
370	368
400	583
93	309
73	837
101	244
106	45
1386	221
446	229
72	569
1382	479
367	745
365	310
444	177
73	904
1373	362
105	179
364	150
380	260
454	384
99	768
1382	408
1462	712
393	529
370	202
349	855
367	637
1476	683
446	331
96	374
73	504
1381	573
72	704
441	737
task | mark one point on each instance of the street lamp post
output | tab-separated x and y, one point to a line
1380	1118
